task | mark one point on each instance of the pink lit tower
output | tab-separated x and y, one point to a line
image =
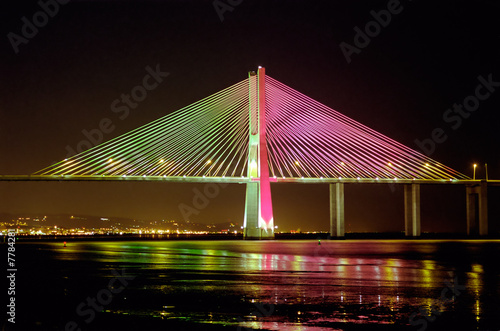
259	222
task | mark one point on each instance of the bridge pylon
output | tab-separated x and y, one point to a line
258	222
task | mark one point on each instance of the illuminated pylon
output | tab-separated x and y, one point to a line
259	222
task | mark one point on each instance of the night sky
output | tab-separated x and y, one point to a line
401	82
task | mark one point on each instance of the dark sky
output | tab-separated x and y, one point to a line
64	78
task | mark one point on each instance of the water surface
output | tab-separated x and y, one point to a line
270	285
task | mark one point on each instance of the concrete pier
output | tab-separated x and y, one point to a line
412	209
252	229
337	223
477	208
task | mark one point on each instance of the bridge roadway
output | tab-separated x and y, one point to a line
243	180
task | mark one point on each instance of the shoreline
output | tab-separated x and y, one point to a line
239	236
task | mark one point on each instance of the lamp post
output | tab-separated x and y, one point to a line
474	174
208	164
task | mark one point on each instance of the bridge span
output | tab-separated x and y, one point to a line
475	190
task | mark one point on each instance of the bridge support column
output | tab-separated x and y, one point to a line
412	210
477	209
337	210
251	224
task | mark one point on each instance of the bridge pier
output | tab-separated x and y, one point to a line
251	223
412	210
337	222
477	208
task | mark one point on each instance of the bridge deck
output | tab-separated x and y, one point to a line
241	180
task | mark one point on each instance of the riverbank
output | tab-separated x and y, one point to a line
239	236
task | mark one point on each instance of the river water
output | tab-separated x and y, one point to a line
268	285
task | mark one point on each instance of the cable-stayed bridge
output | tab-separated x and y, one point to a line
260	131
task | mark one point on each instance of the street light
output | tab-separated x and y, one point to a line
208	163
298	167
474	174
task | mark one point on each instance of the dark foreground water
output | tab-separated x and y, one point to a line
270	285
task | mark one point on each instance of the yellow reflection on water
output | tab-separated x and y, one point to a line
475	285
428	274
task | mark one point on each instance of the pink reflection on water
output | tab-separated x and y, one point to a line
368	289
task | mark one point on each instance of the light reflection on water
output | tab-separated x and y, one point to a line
310	286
